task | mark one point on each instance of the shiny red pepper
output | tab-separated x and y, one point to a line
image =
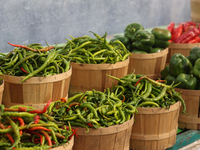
171	27
24	70
41	111
195	40
177	33
192	23
186	26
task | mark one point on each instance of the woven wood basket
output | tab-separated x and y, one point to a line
1	91
36	91
148	64
68	146
109	138
192	100
183	49
195	10
93	76
155	128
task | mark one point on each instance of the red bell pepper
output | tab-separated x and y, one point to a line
171	27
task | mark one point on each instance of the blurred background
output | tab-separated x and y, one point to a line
34	21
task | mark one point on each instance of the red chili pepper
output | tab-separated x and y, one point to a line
187	36
89	124
123	98
34	50
42	111
73	104
21	122
177	33
139	81
195	40
192	23
74	133
47	137
22	109
63	100
38	128
7	134
24	70
171	27
38	135
36	119
191	34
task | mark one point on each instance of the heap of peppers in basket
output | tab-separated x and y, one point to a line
138	40
184	71
185	32
26	128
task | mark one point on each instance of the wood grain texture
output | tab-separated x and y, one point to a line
93	76
195	10
183	49
109	138
155	128
1	91
36	91
148	64
192	99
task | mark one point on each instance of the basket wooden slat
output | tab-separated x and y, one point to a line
1	91
148	64
108	138
192	99
35	91
93	76
183	49
195	10
155	128
68	146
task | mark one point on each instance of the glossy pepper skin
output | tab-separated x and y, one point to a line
186	81
170	79
165	72
143	40
161	37
131	29
179	64
126	41
196	68
194	54
156	50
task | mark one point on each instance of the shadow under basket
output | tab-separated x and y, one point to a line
192	100
155	128
109	138
36	91
1	91
148	64
87	77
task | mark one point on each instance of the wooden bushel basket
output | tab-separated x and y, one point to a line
68	146
192	99
1	91
155	128
183	49
148	64
36	91
195	10
93	76
109	138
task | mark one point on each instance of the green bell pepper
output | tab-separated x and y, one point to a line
139	52
156	50
126	41
186	81
165	72
143	40
170	79
196	68
131	29
161	37
194	54
179	64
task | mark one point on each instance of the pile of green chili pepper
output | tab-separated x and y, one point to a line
92	109
141	91
33	60
25	128
96	50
